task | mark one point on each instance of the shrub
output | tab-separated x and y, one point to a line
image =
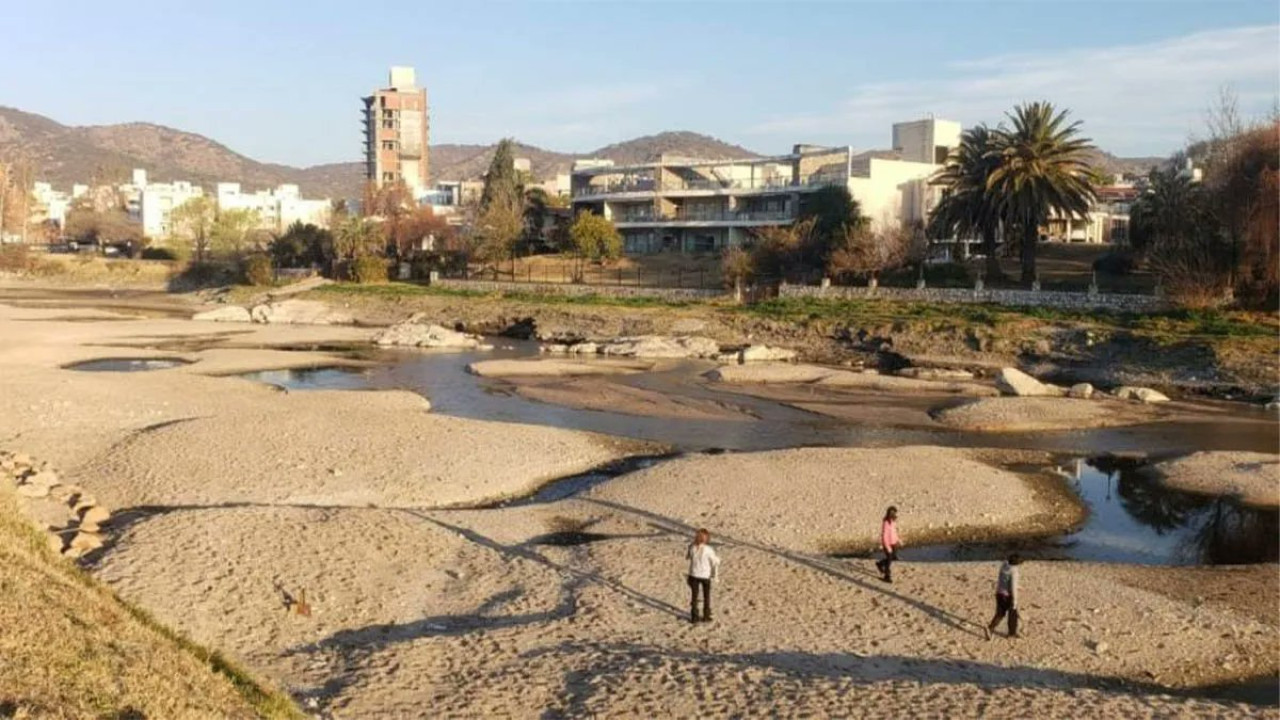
159	253
15	258
203	274
258	270
369	269
1115	263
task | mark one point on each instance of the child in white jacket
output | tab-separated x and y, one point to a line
704	565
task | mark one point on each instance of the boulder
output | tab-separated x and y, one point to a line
659	346
83	502
95	515
33	491
1144	395
299	312
428	335
45	478
924	373
84	542
230	313
1012	381
56	542
584	348
764	353
1080	391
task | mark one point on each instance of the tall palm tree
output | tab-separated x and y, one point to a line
968	207
1043	167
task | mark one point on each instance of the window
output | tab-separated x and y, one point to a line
388	177
388	124
388	144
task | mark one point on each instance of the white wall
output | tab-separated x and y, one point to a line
158	200
894	193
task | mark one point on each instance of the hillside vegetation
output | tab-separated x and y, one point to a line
72	649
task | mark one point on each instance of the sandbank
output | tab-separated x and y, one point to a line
1252	477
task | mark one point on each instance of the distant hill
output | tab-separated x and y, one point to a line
107	153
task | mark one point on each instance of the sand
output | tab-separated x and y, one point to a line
434	613
829	499
1252	477
599	394
816	374
1022	414
556	368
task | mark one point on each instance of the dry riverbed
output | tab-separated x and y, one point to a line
243	496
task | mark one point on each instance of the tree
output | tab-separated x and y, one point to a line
496	230
409	231
1043	167
303	245
595	238
233	233
193	220
776	251
862	252
834	213
357	237
16	177
536	209
85	224
501	184
968	208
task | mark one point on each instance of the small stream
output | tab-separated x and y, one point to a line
1132	519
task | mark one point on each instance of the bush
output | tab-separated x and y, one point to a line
159	253
369	269
1115	263
258	270
15	258
201	275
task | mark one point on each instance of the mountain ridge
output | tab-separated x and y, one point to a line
66	154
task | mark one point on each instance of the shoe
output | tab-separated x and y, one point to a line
986	633
693	619
706	618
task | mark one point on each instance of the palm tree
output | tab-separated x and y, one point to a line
967	207
1043	168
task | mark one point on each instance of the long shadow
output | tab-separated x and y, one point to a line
841	572
523	552
859	670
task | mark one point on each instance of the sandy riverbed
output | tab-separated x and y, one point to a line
434	613
1253	477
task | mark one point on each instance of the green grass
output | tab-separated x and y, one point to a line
409	290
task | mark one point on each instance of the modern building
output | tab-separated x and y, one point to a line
277	209
1107	221
396	131
926	141
694	205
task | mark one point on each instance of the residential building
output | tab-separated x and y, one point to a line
277	209
50	205
690	205
926	141
157	200
396	131
1106	222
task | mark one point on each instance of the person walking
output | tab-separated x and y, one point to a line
889	543
704	566
1006	596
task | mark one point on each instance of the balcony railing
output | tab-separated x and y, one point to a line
649	185
705	216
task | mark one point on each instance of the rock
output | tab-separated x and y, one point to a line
1272	406
1080	391
920	373
523	329
764	353
83	503
414	334
43	478
554	367
95	515
33	491
1012	381
554	349
84	542
1098	646
1141	394
584	348
299	312
230	313
56	542
658	346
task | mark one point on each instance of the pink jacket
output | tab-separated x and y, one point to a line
889	534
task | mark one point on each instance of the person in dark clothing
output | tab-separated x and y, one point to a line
704	566
1006	596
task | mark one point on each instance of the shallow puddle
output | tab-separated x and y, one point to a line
127	364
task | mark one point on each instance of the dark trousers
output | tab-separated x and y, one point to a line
1004	606
696	585
886	564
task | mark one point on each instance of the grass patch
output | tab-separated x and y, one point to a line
397	290
72	648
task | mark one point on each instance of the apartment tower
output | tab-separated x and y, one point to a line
396	132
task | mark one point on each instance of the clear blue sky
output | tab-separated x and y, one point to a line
281	81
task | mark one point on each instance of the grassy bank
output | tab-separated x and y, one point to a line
69	648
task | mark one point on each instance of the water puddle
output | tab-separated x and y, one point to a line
1134	519
127	364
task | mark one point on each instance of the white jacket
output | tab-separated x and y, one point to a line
704	564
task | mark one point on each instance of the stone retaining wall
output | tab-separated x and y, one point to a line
574	290
1016	298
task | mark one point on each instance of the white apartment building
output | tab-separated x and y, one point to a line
692	205
276	209
157	201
